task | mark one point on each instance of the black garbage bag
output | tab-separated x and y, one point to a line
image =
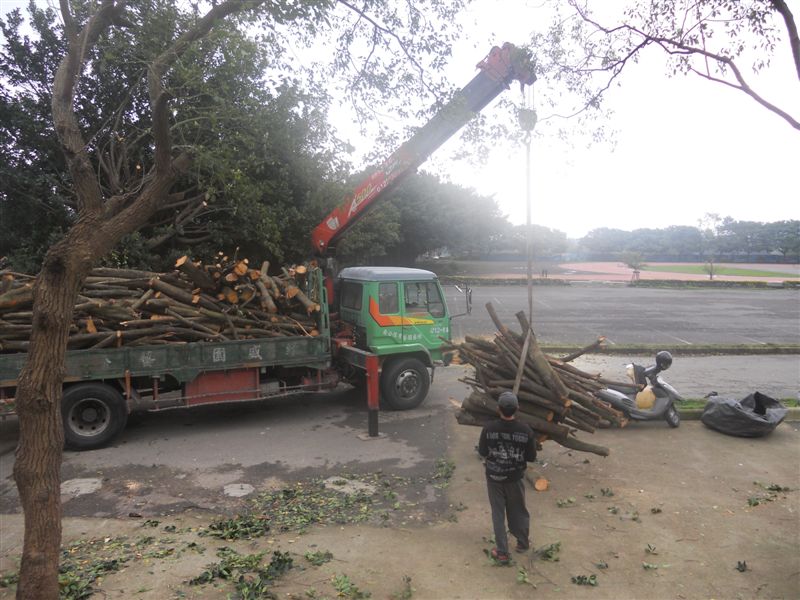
755	416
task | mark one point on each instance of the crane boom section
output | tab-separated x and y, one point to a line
497	71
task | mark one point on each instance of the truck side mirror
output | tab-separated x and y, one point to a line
467	291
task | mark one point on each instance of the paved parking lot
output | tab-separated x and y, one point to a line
578	313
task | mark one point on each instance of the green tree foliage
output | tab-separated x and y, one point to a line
265	163
605	241
423	214
545	241
786	238
265	170
715	238
633	260
34	200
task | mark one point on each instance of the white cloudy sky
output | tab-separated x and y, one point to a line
684	146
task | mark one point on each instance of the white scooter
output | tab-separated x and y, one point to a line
649	397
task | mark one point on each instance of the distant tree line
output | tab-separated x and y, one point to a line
718	239
714	239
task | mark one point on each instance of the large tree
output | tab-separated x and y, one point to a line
117	187
258	187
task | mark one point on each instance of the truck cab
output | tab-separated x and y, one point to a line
400	315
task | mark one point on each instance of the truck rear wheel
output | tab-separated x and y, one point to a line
404	383
93	413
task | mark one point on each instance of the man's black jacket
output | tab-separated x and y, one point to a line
507	446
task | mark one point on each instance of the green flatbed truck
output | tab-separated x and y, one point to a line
396	314
386	328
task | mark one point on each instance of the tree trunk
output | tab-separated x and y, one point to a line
37	468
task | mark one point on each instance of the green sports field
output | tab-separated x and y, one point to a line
697	269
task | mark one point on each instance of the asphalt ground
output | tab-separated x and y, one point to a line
672	318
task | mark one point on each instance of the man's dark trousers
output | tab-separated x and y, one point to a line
508	499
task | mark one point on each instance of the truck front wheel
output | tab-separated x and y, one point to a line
93	413
404	383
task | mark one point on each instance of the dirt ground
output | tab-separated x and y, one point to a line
688	506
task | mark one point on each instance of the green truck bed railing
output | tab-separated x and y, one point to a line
184	362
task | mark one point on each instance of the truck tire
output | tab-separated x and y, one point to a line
404	383
93	413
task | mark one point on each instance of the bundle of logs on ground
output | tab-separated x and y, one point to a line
556	399
227	300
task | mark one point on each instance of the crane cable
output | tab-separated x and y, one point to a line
527	121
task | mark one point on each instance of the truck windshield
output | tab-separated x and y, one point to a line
424	297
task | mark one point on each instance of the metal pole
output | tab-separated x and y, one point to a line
373	394
529	229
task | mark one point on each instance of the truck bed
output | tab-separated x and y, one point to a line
184	362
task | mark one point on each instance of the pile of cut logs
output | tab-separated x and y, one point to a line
556	399
226	300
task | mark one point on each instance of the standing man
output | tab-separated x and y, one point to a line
507	446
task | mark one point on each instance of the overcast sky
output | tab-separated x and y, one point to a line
684	146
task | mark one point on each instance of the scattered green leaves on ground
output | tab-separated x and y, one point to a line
608	492
406	592
601	565
443	470
565	502
549	552
773	487
239	527
756	500
345	588
649	566
85	561
293	508
741	566
311	502
522	577
584	580
252	578
650	549
318	558
655	510
773	490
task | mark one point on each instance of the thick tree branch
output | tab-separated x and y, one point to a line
158	68
673	47
87	188
791	28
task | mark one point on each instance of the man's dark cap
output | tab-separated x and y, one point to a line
508	403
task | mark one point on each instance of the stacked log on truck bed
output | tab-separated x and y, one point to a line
556	399
226	300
